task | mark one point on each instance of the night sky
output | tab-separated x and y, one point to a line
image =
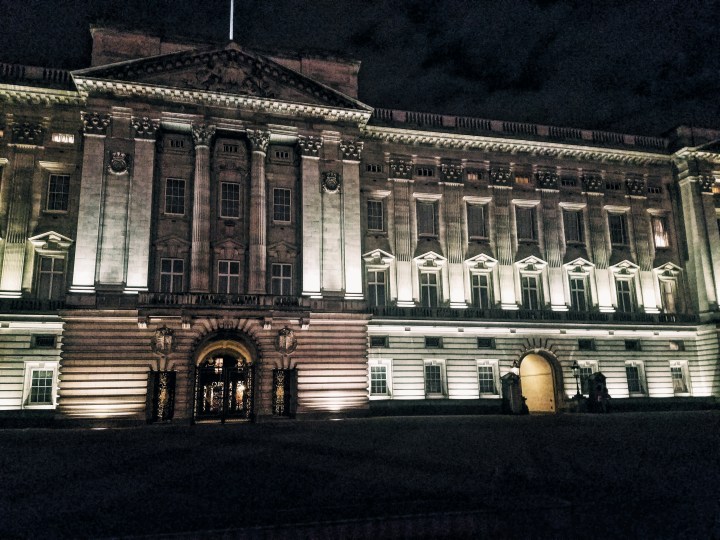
633	66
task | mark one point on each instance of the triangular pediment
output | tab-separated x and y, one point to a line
231	70
282	250
51	241
579	265
482	261
378	257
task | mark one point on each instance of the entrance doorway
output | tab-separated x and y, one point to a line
224	383
538	383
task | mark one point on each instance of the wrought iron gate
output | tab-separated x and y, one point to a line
224	389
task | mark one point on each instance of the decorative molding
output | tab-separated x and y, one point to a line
636	186
119	163
500	176
30	133
592	182
285	342
331	182
202	134
400	168
451	172
145	128
351	150
259	140
547	179
706	182
95	123
309	146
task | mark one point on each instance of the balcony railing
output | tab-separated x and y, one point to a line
18	305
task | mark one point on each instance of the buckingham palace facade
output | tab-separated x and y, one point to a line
203	232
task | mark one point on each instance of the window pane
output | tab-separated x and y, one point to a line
228	277
58	191
378	380
375	215
476	221
633	379
428	289
281	204
426	219
481	291
578	295
229	200
376	288
171	275
678	378
41	386
530	292
51	278
623	288
573	221
433	379
486	380
660	232
526	226
618	229
281	279
585	372
175	196
668	295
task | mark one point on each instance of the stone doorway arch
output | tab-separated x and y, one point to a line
540	381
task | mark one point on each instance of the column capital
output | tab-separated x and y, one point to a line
95	123
259	140
202	134
351	150
144	127
401	168
31	133
309	146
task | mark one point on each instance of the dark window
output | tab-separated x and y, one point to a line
530	292
632	345
377	288
486	380
526	224
375	217
379	341
175	196
633	379
568	181
282	154
373	167
613	185
281	204
578	293
432	342
585	373
281	279
429	296
574	226
46	341
228	277
618	229
624	292
172	272
654	189
586	344
229	200
477	220
425	171
51	278
231	148
433	379
58	193
481	291
378	380
485	343
426	219
177	143
41	384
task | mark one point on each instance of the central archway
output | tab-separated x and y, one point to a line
537	380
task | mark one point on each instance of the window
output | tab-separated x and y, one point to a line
574	226
281	279
635	378
282	154
375	217
618	229
380	378
171	275
373	167
568	181
487	378
526	224
229	200
586	370
231	148
530	287
379	341
586	344
425	171
58	193
668	295
477	221
522	179
433	342
429	293
481	285
660	231
281	204
175	196
677	345
63	138
613	185
228	277
40	386
632	345
654	189
625	295
678	372
44	341
485	343
426	219
51	278
177	143
434	378
377	289
578	293
473	176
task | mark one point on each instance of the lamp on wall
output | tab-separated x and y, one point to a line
576	373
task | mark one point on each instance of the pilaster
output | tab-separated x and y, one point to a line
552	242
350	152
311	214
259	141
453	206
598	249
200	247
401	174
503	241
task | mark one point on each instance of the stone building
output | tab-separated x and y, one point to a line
206	232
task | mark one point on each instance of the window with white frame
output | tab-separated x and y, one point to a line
668	295
380	378
624	294
635	376
426	218
531	291
477	221
40	387
281	279
377	287
660	231
281	205
50	278
488	378
587	368
574	226
375	215
435	378
228	278
482	289
175	196
172	272
617	224
678	373
526	223
229	200
578	292
429	289
58	193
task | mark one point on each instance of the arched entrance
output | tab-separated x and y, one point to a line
224	382
537	380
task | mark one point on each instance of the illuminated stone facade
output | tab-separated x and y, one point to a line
210	233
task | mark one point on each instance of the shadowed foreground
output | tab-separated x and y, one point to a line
548	476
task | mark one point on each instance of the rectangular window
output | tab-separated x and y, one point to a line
281	279
377	288
530	292
618	229
229	200
473	176
578	293
171	275
177	143
58	193
668	295
51	278
654	189
281	204
231	148
63	138
586	344
487	384
426	219
379	341
624	293
378	380
481	291
485	343
526	224
425	171
677	345
429	296
632	345
434	378
373	167
574	226
585	372
375	217
568	181
282	154
45	341
634	377
522	179
41	387
660	232
228	277
175	196
679	380
477	221
433	342
613	185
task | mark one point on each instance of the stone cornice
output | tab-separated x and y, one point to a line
39	96
700	155
513	146
87	86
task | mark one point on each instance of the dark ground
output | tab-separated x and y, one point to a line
649	475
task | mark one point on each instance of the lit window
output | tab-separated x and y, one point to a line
58	193
375	215
229	200
574	227
63	138
487	379
618	229
678	372
228	277
434	378
473	176
429	292
668	295
677	345
625	295
660	231
40	388
281	279
526	223
578	293
51	278
635	378
481	285
530	287
281	204
377	289
477	221
426	219
175	196
171	275
522	179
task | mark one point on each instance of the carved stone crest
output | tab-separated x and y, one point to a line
351	150
144	127
224	74
285	342
28	133
119	163
95	123
331	182
309	146
399	168
162	341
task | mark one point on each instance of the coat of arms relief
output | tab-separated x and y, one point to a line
224	75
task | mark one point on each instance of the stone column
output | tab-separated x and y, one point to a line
502	208
644	250
350	152
26	138
713	235
547	182
200	247
311	215
453	209
598	249
401	174
140	210
259	141
95	128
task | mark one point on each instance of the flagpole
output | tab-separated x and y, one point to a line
232	17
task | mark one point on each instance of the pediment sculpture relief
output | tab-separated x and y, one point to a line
224	75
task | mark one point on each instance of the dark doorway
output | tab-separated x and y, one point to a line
224	389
